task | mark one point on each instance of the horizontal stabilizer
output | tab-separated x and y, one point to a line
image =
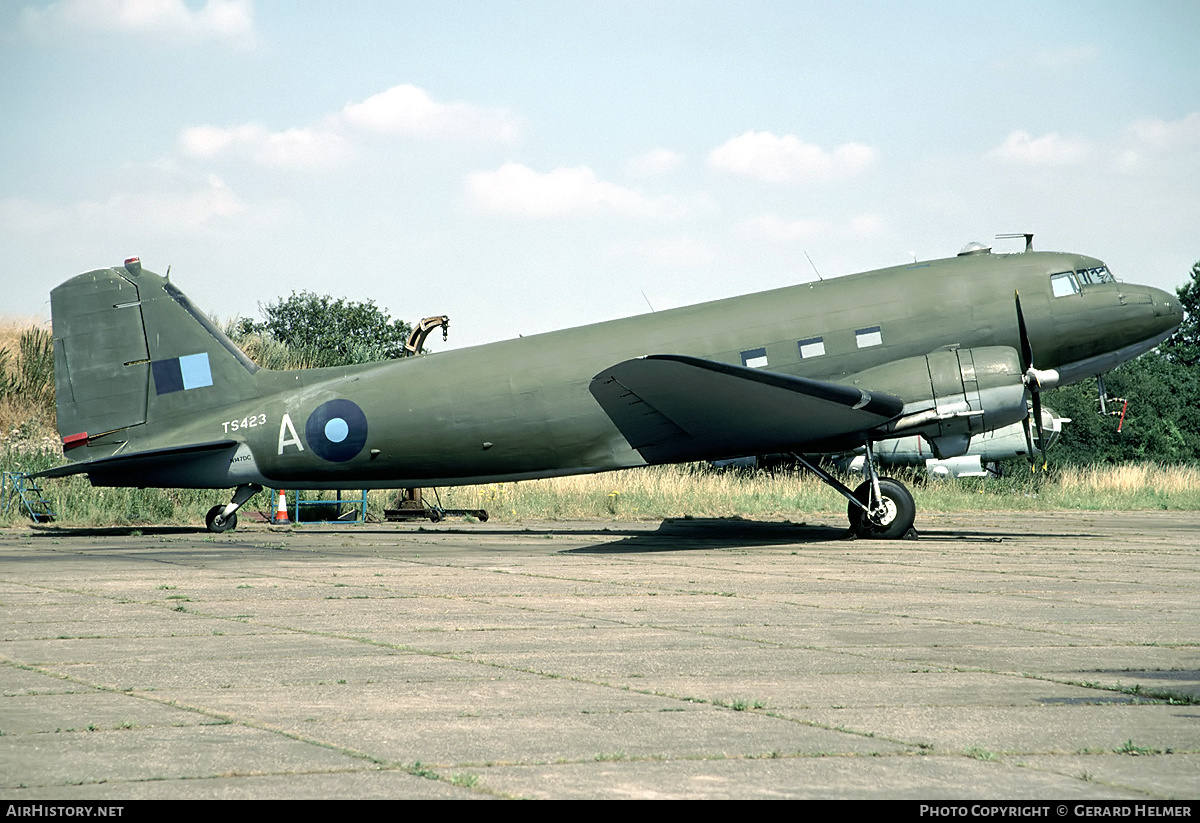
673	408
178	467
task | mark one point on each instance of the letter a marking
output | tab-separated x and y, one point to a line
288	431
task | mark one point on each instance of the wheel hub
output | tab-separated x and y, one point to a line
884	513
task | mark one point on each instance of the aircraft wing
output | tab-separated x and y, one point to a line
181	466
673	408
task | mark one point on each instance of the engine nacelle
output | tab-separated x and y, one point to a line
952	394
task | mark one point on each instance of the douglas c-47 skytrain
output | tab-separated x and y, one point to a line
151	393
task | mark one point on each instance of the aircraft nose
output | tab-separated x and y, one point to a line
1164	302
1168	314
1166	307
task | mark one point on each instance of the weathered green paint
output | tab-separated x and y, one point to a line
523	408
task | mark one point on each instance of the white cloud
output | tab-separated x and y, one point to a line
409	110
168	209
1167	134
302	148
218	19
211	141
401	110
171	211
787	159
657	161
1154	140
1048	150
773	228
519	190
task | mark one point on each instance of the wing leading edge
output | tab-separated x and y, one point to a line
674	408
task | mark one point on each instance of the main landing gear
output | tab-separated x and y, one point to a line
880	507
223	518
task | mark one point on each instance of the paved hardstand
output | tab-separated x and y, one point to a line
999	656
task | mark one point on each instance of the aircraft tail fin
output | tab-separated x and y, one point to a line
131	349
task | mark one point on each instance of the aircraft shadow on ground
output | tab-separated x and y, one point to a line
692	534
114	531
673	534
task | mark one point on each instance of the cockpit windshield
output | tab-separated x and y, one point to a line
1097	274
1067	282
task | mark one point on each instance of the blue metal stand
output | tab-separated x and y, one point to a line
16	486
356	513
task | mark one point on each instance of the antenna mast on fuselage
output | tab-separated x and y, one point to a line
1028	235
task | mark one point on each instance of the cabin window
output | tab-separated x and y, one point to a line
755	358
868	337
812	347
1063	284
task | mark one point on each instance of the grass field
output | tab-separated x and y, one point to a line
29	442
659	492
26	383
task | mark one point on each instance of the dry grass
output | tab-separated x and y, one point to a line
25	416
655	493
28	442
650	494
677	491
12	326
1130	478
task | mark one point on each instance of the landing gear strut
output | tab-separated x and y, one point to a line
880	507
223	518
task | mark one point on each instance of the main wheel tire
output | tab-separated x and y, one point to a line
896	521
217	524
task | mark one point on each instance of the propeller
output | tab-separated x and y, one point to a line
1035	380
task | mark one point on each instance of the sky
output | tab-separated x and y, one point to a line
526	166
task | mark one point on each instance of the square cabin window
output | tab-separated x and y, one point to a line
755	358
868	337
812	347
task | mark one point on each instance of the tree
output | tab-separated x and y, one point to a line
1184	346
323	331
1162	422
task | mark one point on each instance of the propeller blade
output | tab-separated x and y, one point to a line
1033	386
1028	443
1026	347
1041	434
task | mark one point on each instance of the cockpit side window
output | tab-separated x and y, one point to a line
1063	284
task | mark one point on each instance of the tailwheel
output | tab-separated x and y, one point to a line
217	523
891	518
223	518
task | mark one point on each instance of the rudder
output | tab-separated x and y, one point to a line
131	349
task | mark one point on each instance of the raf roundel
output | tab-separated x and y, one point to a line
336	431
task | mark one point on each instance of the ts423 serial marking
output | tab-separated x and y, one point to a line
251	422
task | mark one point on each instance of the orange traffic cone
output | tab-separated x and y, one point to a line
281	515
